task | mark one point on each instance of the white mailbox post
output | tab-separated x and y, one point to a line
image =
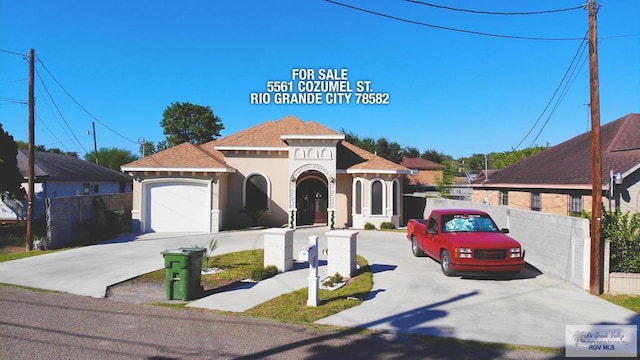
310	253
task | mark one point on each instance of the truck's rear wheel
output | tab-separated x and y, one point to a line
445	263
415	248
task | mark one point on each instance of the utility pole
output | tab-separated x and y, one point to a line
95	143
596	156
32	153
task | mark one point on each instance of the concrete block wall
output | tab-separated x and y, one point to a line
70	218
556	245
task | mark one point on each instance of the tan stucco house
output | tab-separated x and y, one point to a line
559	179
283	173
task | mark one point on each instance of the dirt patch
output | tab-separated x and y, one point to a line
145	290
138	292
12	249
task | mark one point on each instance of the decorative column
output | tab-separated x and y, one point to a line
341	252
278	248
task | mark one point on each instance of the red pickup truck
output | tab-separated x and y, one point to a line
465	240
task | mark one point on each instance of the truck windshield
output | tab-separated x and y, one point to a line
468	223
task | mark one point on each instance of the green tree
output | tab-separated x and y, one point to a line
382	147
411	152
623	229
444	184
25	145
111	158
433	155
147	148
11	179
499	160
186	122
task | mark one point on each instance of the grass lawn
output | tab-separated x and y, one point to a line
292	307
628	301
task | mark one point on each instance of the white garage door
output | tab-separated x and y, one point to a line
178	206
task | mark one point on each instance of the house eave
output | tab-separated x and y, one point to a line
166	169
313	137
377	171
250	148
631	171
535	186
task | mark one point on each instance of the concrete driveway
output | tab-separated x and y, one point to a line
410	295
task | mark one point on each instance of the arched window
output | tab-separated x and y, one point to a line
357	198
377	198
256	193
396	197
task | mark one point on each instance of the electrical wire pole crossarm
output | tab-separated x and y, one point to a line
596	157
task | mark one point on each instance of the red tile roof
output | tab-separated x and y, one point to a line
420	164
351	157
569	163
185	155
268	134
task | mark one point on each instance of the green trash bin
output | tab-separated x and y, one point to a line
183	267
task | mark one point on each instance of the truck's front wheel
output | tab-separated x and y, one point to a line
415	248
445	263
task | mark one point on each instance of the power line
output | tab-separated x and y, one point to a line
567	86
52	134
13	81
493	12
449	28
618	36
14	101
82	107
53	113
50	107
60	112
12	52
577	54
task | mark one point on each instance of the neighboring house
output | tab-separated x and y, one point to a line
559	179
283	173
58	175
424	176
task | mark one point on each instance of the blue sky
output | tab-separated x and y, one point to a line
457	93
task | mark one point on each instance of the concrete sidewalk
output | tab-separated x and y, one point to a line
410	295
244	297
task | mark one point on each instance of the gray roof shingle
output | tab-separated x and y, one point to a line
569	163
67	168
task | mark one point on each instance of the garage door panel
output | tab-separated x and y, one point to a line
178	206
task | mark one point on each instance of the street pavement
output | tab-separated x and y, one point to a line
410	295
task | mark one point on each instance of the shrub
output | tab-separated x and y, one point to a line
387	225
369	226
259	274
624	232
335	279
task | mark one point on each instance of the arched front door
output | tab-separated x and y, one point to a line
311	201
